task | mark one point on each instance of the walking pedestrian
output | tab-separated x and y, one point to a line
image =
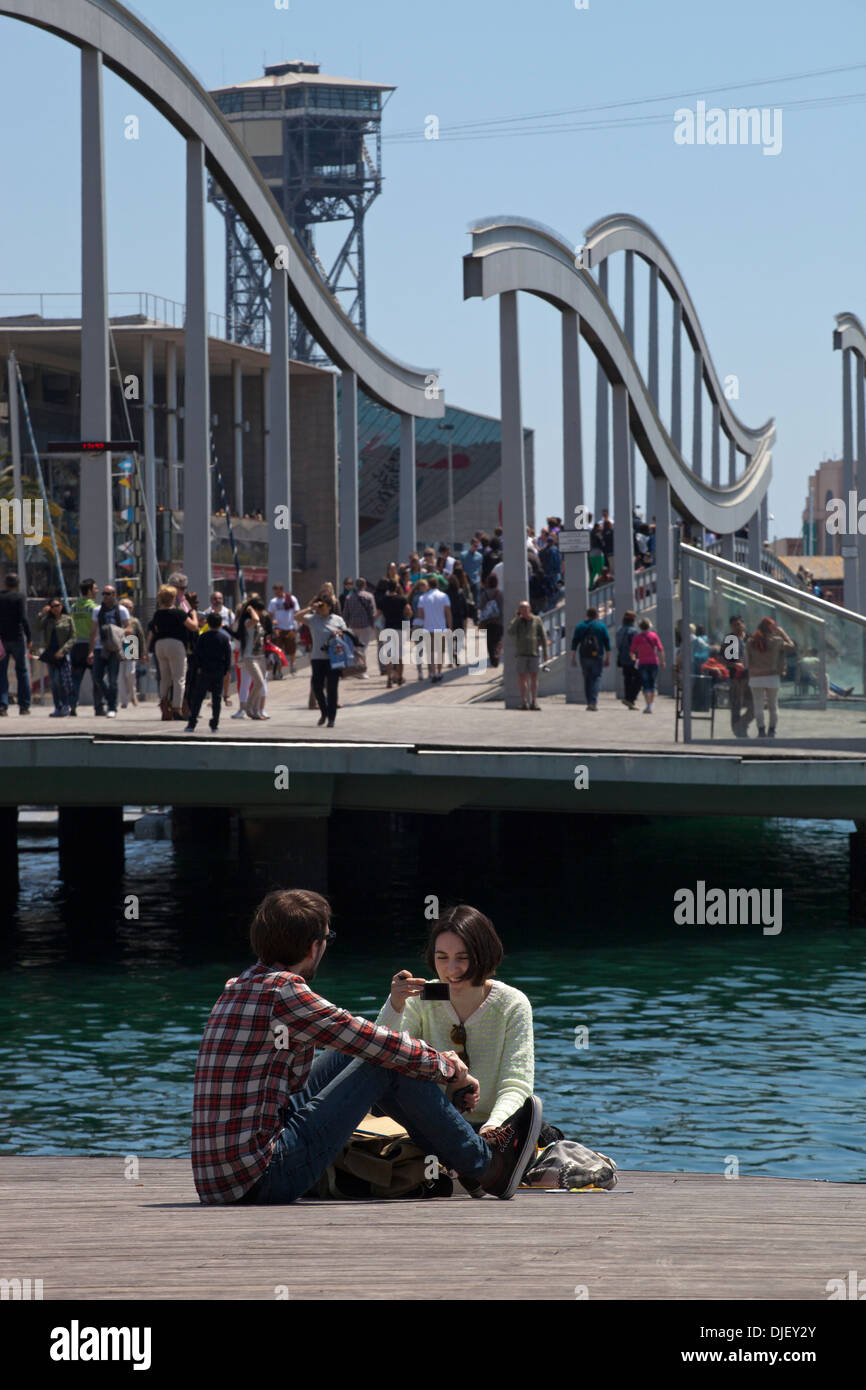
647	650
591	642
57	631
131	658
106	635
324	623
214	659
462	603
527	631
766	655
624	659
434	609
741	699
282	608
359	612
227	620
250	632
490	618
81	611
395	609
15	644
169	633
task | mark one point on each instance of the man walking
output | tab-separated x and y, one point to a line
472	561
592	641
227	621
103	656
359	614
528	633
81	611
434	609
741	699
15	636
213	663
282	609
268	1119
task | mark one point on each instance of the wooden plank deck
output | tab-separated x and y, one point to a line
89	1233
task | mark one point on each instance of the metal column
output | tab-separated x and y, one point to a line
151	572
848	542
196	420
278	476
676	378
664	581
238	430
601	499
623	536
171	424
515	585
628	326
653	376
96	550
716	448
698	415
407	524
572	467
732	463
349	543
17	482
860	478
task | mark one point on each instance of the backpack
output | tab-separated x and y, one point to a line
380	1161
111	634
590	645
341	651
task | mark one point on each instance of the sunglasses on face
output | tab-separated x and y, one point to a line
458	1037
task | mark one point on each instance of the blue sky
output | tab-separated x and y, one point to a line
770	247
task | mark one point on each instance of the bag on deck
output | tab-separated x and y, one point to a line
380	1161
568	1165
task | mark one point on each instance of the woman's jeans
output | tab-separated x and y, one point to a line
340	1091
322	673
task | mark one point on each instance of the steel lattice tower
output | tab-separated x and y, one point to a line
317	142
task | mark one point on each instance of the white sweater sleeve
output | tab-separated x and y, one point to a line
406	1022
517	1067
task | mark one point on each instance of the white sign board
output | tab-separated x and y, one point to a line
574	542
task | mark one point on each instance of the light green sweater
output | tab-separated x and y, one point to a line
499	1042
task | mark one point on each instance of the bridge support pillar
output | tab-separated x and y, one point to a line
727	546
91	843
849	549
96	552
515	584
407	523
572	463
286	851
664	581
755	542
151	569
857	872
349	553
238	432
196	418
623	536
860	401
278	476
9	846
171	425
602	444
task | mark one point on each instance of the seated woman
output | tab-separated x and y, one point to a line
487	1023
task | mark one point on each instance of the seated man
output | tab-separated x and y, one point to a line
256	1139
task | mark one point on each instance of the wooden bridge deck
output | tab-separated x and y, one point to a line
89	1233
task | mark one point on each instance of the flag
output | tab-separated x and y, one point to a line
124	482
127	514
125	564
125	466
126	548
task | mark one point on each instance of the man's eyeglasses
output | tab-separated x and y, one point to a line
329	935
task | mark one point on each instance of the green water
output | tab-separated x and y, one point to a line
703	1042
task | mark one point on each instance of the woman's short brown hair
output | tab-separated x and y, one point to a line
286	923
478	936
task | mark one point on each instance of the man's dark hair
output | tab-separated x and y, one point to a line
478	936
592	612
12	581
360	584
214	620
286	923
735	618
85	586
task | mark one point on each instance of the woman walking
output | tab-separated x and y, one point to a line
766	653
624	659
169	630
462	604
324	624
58	632
251	635
647	649
490	618
129	665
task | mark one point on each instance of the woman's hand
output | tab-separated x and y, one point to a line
403	986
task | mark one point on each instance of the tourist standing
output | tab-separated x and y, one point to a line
592	643
434	608
214	653
395	609
324	624
227	620
624	659
741	699
251	635
527	631
57	631
15	639
490	618
472	561
648	652
81	611
462	603
130	657
104	654
766	655
169	634
359	612
282	609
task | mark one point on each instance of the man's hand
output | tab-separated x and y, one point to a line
467	1086
403	986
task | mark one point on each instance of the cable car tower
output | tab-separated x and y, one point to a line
317	142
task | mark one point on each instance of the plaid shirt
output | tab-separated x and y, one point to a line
257	1049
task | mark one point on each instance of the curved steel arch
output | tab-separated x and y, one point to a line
514	255
850	333
134	53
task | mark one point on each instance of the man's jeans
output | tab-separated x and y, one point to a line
17	652
320	1120
78	658
592	669
106	666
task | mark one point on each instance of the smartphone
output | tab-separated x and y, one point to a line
436	989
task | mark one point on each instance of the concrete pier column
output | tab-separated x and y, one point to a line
278	477
151	570
87	831
285	851
349	542
849	562
196	418
664	580
96	548
238	432
171	424
623	538
857	872
573	489
515	582
9	846
602	434
407	521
